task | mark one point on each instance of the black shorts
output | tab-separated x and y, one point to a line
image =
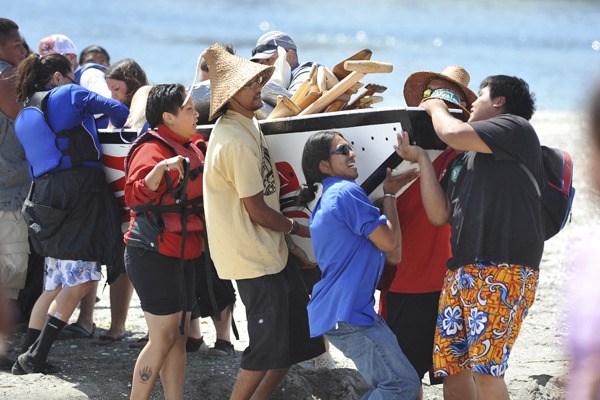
412	318
277	321
223	291
160	283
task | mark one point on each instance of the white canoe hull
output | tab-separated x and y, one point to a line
372	133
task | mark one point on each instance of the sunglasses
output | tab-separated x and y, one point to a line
263	47
342	150
444	94
256	82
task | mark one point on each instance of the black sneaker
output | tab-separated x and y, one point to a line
221	348
192	344
24	365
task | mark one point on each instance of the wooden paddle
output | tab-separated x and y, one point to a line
370	90
367	101
340	72
305	86
312	91
341	101
284	108
359	70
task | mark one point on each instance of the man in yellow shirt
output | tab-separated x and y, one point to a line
246	228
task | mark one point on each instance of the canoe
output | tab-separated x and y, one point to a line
372	133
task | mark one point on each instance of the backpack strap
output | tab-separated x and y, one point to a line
531	178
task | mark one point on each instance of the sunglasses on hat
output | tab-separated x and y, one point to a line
444	94
263	47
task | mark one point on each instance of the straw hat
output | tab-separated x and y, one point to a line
417	83
228	74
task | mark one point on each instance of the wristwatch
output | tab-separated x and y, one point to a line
294	228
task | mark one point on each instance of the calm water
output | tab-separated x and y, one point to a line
554	45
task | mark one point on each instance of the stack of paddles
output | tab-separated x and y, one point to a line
327	91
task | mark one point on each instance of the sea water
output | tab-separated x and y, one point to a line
553	45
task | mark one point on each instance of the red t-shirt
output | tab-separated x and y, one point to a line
425	248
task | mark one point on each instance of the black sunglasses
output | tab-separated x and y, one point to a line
263	47
343	150
254	83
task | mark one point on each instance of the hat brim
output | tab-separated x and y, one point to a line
228	75
417	83
264	55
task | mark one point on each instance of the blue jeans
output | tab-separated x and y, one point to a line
377	356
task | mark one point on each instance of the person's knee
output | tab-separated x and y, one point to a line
84	288
459	386
489	385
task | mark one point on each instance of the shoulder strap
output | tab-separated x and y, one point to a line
531	178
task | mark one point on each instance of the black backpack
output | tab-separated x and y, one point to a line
558	191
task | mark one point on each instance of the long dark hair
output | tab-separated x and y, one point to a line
131	73
35	72
316	149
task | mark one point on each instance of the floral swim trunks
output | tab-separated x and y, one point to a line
482	307
68	273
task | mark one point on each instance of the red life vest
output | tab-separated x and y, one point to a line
180	208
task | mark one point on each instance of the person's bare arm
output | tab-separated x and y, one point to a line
261	214
387	237
8	94
435	201
455	133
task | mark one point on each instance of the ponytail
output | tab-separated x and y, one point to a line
307	194
35	72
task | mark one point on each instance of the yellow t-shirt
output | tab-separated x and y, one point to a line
237	166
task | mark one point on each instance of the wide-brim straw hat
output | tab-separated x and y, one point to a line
228	75
418	81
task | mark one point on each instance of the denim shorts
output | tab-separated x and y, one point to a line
378	358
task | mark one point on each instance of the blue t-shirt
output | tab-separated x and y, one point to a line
340	226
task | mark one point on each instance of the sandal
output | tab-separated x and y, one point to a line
104	340
140	343
76	331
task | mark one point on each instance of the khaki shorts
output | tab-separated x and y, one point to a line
14	252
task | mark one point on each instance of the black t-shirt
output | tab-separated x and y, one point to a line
496	214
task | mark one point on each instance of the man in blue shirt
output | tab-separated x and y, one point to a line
350	239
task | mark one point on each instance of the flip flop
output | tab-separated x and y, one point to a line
104	340
76	331
140	343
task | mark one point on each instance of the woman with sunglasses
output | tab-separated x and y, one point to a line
71	212
350	239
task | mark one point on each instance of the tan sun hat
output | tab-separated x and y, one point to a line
228	74
417	83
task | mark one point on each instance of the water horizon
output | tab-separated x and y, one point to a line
553	45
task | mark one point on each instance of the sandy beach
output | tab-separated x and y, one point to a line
537	368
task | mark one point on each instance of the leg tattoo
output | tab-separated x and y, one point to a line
145	374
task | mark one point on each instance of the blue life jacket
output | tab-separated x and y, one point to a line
82	68
48	151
